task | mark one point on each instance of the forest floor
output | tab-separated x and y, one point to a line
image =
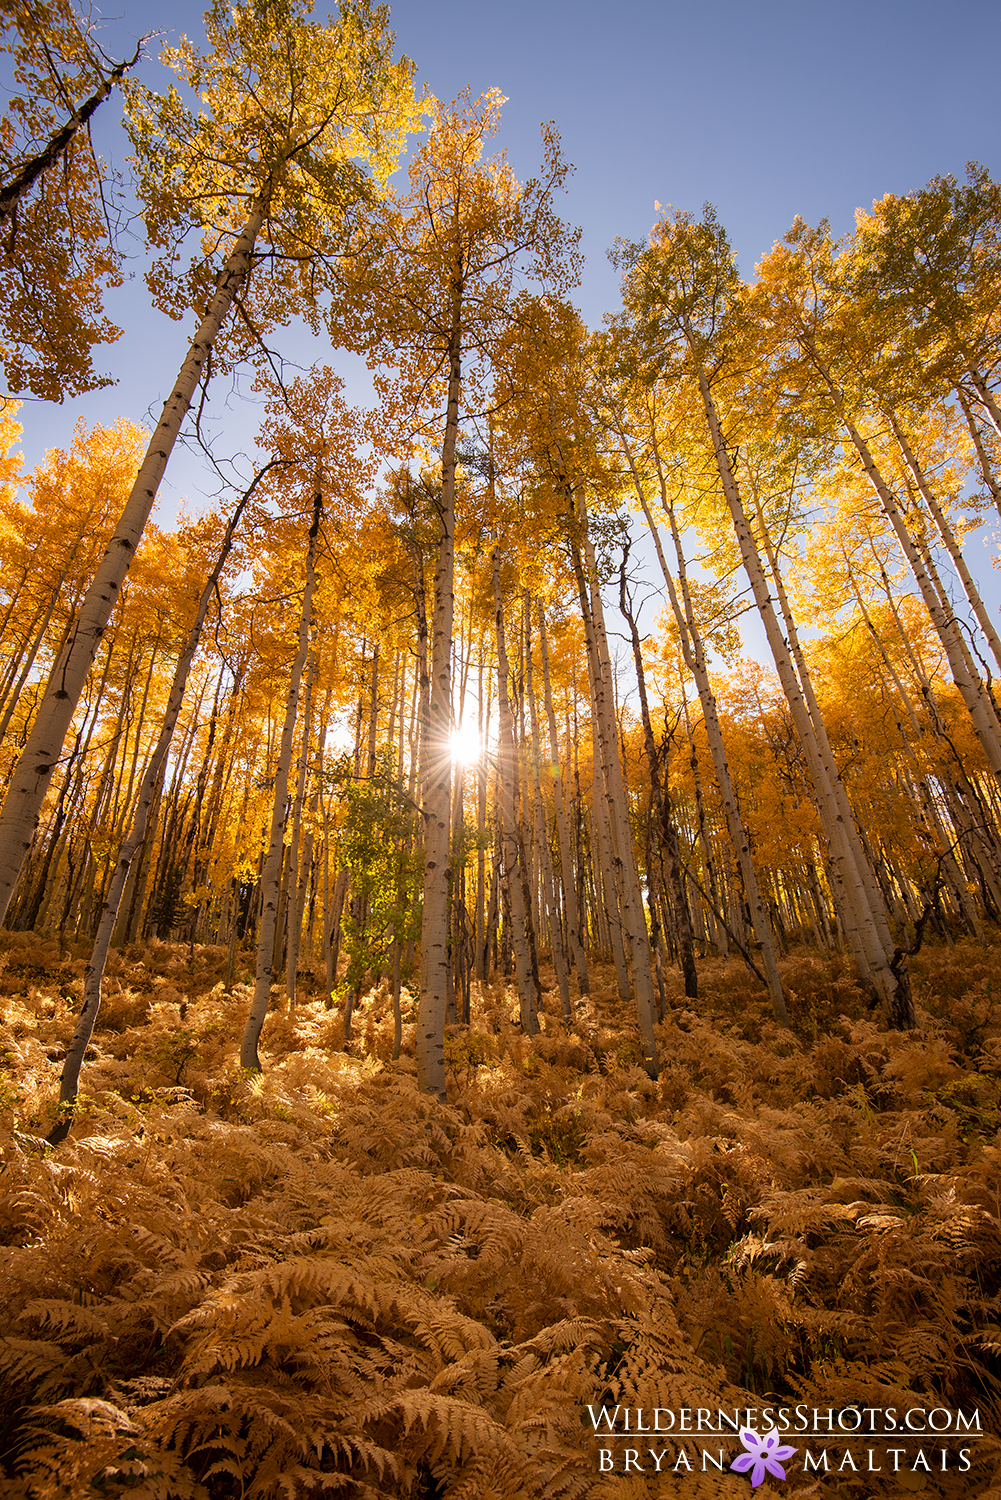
316	1281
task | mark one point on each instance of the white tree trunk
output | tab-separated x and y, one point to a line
574	935
694	654
299	872
870	956
951	542
149	789
541	832
42	753
271	873
971	690
986	467
436	764
510	846
634	926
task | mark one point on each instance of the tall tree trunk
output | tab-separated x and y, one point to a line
633	914
693	651
971	689
661	804
870	955
271	874
298	877
148	792
986	467
837	815
951	542
436	765
30	782
541	835
479	928
512	852
60	141
575	941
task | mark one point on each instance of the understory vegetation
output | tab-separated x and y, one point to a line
316	1280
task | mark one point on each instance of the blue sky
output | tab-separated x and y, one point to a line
768	108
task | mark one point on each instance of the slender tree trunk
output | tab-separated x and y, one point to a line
59	142
512	852
633	914
148	791
870	954
866	901
986	467
297	881
661	805
541	836
693	651
610	919
30	782
479	926
436	765
972	690
986	398
334	931
571	906
271	874
951	542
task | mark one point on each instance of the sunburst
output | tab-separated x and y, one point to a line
464	743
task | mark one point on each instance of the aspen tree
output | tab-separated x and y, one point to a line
948	536
542	836
271	873
607	895
290	105
811	323
479	924
659	798
573	915
545	388
686	296
693	652
297	881
70	1081
436	285
931	261
512	852
987	468
625	873
58	252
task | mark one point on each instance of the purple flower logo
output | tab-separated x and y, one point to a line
763	1452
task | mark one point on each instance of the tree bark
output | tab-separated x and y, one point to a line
541	835
575	942
298	874
271	874
148	793
511	849
661	806
43	750
633	915
60	140
436	765
693	652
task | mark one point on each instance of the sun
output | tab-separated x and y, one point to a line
464	743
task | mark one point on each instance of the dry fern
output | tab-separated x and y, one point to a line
319	1282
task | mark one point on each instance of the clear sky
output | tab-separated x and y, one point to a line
767	108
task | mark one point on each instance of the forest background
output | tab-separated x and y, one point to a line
648	1046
